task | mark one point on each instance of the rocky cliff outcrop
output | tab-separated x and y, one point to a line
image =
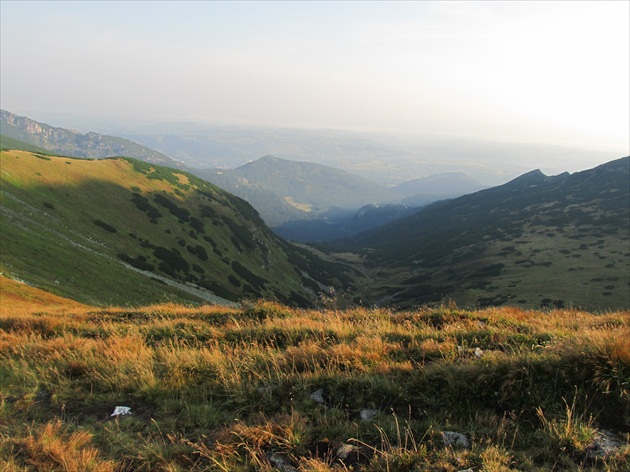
74	143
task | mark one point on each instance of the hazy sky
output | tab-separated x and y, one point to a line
552	72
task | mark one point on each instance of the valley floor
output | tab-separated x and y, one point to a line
265	387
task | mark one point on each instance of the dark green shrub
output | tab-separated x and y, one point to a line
143	204
181	213
139	262
197	224
172	258
244	272
105	226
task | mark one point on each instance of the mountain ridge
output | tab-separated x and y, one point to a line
531	241
76	144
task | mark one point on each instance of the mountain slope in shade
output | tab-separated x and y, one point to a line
72	143
121	231
342	223
440	185
535	241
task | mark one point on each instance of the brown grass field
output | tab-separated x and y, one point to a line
231	389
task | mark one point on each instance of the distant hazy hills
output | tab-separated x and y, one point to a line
289	191
121	231
303	189
200	145
71	143
387	159
425	190
537	240
315	198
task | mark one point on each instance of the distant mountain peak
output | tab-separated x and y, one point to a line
533	178
532	175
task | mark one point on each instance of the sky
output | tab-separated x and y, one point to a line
532	72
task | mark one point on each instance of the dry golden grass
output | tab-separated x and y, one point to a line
215	388
19	299
51	447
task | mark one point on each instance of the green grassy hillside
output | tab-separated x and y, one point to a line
535	241
120	231
7	142
268	388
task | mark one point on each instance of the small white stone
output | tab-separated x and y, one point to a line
121	410
478	352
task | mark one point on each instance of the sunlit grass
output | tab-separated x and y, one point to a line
216	388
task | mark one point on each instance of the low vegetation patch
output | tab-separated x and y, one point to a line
266	387
105	226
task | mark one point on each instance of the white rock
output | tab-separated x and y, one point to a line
345	450
121	410
368	415
478	352
451	438
318	396
278	461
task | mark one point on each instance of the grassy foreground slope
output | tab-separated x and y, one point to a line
120	231
266	387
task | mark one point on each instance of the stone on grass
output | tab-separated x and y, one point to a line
318	396
344	451
121	410
368	415
451	438
279	462
605	444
